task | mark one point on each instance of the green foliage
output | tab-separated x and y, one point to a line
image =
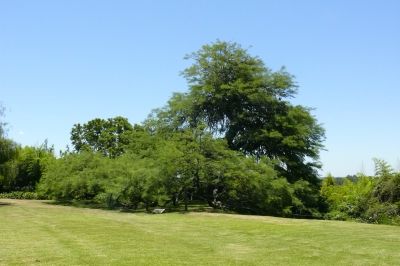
382	168
75	176
91	176
234	96
21	168
8	154
104	136
109	199
233	140
254	188
370	199
382	212
171	169
388	186
351	198
384	206
31	165
308	202
9	151
138	182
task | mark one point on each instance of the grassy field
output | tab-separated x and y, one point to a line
35	232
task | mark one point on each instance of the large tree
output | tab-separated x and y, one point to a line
238	98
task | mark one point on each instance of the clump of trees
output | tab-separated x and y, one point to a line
233	141
369	199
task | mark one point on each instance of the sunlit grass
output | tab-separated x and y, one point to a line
34	232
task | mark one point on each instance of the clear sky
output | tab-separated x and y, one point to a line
66	62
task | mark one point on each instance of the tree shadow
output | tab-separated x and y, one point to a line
5	204
194	207
77	204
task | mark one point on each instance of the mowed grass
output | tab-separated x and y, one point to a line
38	233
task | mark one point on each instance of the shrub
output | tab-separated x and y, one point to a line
75	176
350	199
368	199
384	213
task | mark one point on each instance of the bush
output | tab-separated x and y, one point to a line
349	200
126	181
254	188
336	215
368	199
75	177
382	213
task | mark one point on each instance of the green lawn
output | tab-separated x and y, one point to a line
35	232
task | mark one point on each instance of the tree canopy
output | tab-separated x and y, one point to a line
107	136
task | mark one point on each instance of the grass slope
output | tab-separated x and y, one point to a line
33	232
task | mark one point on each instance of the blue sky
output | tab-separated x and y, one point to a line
64	62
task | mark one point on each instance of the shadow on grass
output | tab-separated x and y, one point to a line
79	204
199	207
93	205
195	207
5	204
